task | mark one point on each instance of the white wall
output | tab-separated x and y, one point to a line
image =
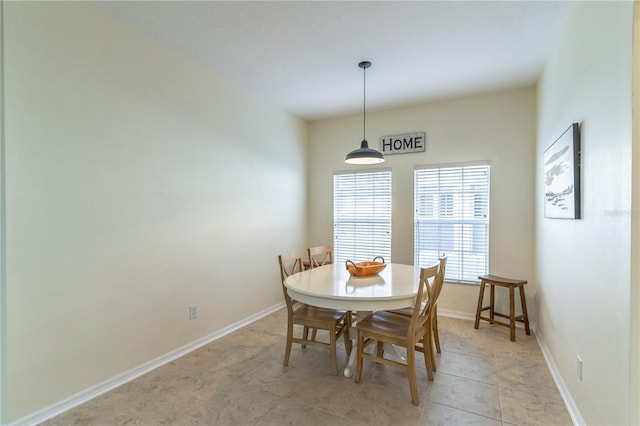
583	266
137	184
498	127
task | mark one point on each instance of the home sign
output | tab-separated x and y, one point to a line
403	144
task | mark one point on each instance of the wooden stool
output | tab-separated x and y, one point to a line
494	281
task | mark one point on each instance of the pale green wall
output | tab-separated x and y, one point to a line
137	184
583	266
126	181
498	127
3	287
634	301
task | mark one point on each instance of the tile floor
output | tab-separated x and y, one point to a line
482	379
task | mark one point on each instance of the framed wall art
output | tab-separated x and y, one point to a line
562	176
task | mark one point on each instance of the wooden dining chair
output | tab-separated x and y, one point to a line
320	255
384	327
312	318
434	314
435	294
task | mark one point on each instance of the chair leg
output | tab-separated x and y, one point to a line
287	350
427	340
411	372
305	336
380	349
332	349
436	336
359	349
428	361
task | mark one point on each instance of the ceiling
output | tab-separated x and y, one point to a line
302	55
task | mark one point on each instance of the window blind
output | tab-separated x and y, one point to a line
362	216
452	217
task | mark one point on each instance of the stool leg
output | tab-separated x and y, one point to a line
512	315
492	301
479	309
525	315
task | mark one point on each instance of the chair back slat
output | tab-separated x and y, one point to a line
439	282
424	300
320	255
290	263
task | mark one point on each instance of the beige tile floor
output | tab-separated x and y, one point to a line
482	379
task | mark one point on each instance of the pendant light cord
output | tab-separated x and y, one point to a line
364	104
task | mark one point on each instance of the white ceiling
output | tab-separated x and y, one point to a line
303	55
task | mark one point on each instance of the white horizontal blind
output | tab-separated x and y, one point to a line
362	216
452	217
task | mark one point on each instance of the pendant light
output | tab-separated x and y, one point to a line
364	154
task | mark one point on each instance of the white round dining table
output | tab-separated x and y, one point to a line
331	286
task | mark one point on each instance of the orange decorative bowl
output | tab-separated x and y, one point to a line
365	269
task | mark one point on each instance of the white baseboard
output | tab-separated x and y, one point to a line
110	384
574	413
101	388
576	417
456	314
472	317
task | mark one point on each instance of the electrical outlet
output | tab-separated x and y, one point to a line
193	312
579	367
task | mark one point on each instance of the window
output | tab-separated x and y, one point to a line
452	217
362	216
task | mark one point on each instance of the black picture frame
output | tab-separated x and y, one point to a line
562	176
